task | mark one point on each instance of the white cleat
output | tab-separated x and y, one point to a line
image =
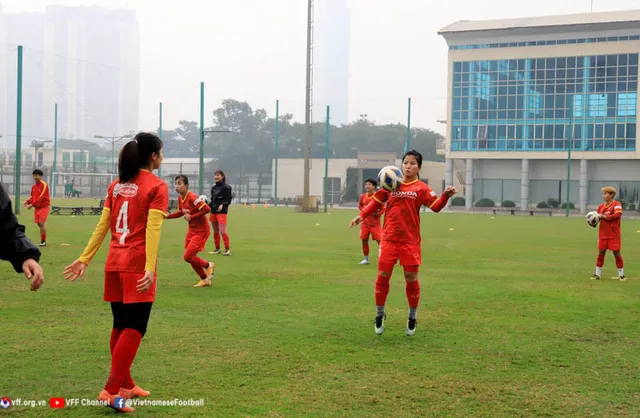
412	325
378	324
364	262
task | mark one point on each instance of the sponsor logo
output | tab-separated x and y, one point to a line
404	193
125	190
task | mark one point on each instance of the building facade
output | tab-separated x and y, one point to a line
290	180
85	59
535	102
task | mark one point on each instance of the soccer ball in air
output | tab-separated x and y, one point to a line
390	178
593	218
204	198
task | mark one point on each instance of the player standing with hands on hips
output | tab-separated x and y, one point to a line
401	235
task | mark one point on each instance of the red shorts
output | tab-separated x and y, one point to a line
196	242
612	244
40	215
391	252
375	232
218	218
121	287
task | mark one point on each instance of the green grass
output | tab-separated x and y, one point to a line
509	323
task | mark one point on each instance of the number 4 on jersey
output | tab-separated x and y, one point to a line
123	220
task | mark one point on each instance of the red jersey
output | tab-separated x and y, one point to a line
402	213
610	228
130	204
40	195
373	220
192	204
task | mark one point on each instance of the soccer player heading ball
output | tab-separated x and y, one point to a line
401	235
134	209
609	237
194	210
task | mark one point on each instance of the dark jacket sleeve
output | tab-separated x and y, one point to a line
226	195
15	246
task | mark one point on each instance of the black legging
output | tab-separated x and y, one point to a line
131	315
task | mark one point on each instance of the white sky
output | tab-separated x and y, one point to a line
254	50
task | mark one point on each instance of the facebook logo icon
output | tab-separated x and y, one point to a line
118	402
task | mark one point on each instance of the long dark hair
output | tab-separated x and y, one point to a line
224	178
136	153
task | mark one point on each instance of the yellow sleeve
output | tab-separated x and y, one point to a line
154	226
98	236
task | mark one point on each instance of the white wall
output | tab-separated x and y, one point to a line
291	174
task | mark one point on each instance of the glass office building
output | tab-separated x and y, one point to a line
524	93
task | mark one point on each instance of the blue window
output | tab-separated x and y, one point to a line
597	105
526	104
627	104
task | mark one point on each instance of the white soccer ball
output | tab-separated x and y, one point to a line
390	178
204	198
593	218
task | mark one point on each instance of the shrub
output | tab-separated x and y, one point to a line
543	205
508	204
553	203
632	206
571	206
485	203
458	201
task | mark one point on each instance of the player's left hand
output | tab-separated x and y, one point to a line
355	221
450	191
29	206
145	283
187	217
74	271
220	208
33	271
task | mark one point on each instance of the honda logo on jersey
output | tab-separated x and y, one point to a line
410	194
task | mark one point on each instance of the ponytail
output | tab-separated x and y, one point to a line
136	154
128	162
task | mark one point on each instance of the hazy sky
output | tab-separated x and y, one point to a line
254	50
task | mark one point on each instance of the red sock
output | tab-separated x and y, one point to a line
413	293
43	237
381	289
115	334
619	262
599	261
199	270
225	238
123	355
365	248
216	239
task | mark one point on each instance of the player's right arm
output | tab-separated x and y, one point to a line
174	215
378	199
76	270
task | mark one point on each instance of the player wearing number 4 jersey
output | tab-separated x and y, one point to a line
194	210
401	235
134	209
609	237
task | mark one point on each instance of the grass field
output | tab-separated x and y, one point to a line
509	323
